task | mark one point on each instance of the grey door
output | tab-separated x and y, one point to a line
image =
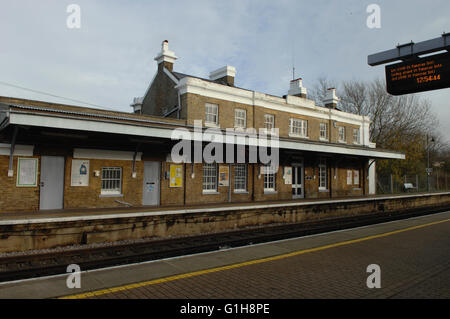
52	182
297	180
150	193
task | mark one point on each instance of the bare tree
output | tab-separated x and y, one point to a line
398	122
319	91
394	118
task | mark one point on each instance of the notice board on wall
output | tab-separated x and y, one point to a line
27	169
80	173
349	177
224	175
176	176
288	175
356	177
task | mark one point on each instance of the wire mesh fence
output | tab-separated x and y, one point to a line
394	184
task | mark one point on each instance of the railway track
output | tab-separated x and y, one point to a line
38	265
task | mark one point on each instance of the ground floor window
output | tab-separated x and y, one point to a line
111	180
322	174
269	179
240	177
209	177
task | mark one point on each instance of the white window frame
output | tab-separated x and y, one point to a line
323	127
107	183
240	178
211	111
240	118
323	175
210	178
269	123
298	128
270	180
357	135
341	134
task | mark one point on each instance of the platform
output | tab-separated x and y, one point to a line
67	215
412	254
54	229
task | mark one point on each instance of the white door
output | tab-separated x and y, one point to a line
52	182
150	192
297	180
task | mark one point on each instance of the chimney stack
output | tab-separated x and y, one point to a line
166	57
331	100
224	75
297	89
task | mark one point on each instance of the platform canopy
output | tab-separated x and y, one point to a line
160	129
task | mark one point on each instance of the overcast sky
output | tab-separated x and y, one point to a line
109	60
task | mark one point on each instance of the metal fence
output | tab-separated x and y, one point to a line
392	184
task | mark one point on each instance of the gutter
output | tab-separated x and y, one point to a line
4	119
26	107
11	153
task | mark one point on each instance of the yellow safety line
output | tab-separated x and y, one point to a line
247	263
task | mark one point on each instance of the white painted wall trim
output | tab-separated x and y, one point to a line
298	106
86	153
170	75
19	150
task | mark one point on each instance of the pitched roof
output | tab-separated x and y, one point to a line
179	76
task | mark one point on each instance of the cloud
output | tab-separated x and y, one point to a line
110	59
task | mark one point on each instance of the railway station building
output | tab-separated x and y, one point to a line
55	156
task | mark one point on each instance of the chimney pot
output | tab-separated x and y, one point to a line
331	100
297	89
166	57
225	74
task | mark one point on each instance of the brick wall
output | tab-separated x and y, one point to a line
160	95
90	196
13	198
255	118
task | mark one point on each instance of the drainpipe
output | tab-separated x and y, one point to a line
366	180
179	104
11	153
185	184
133	170
229	182
253	165
363	132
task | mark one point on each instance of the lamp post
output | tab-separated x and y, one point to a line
428	163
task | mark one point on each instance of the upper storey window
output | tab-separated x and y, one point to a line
323	131
342	134
298	128
356	138
240	118
211	114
